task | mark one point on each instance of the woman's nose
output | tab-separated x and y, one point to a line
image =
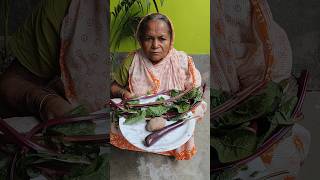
155	44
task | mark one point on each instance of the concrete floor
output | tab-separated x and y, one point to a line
128	165
311	110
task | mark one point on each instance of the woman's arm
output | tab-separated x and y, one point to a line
28	94
119	91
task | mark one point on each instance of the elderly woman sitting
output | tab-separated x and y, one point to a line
156	67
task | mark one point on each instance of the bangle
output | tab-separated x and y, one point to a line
43	101
122	91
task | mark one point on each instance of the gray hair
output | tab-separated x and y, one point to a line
152	17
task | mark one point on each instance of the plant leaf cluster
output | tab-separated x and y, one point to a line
179	106
237	133
71	160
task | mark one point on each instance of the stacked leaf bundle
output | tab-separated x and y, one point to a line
179	103
59	149
240	131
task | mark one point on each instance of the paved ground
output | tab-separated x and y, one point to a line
311	109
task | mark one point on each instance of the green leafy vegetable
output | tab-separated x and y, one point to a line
98	170
178	105
235	145
182	107
160	99
174	93
238	132
156	111
134	118
79	128
133	102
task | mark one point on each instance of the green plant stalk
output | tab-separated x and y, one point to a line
124	6
115	34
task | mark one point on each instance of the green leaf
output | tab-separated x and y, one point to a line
194	94
80	110
98	170
182	107
286	110
134	118
156	111
234	145
133	102
218	97
254	107
65	158
72	129
160	99
174	93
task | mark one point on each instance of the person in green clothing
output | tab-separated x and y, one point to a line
30	85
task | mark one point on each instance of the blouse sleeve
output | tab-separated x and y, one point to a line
121	73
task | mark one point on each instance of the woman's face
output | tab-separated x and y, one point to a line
156	40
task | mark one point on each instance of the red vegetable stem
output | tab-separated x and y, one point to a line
236	100
59	121
19	139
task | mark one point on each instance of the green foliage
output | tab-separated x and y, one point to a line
97	170
194	94
174	93
256	105
137	117
217	97
178	106
125	18
160	99
71	129
81	159
79	110
235	144
182	107
270	108
156	111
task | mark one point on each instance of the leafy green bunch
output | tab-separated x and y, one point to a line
238	132
70	150
179	103
126	16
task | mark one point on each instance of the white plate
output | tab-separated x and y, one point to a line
136	133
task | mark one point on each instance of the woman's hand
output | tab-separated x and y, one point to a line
127	95
54	106
119	91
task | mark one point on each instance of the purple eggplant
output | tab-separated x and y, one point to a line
155	136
